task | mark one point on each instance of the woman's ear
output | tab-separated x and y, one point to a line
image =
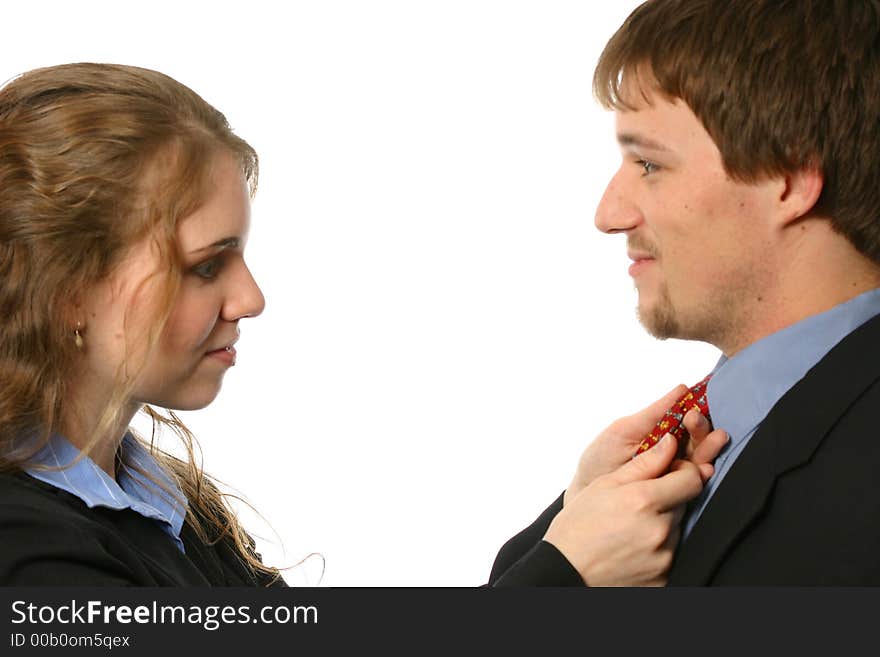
74	316
73	312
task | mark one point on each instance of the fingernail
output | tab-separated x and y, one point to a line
665	440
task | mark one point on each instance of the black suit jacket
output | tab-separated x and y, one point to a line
50	537
801	504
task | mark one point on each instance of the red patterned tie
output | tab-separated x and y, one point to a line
695	397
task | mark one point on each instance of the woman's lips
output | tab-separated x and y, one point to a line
225	355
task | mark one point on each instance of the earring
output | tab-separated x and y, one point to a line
77	336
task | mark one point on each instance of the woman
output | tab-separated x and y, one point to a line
124	213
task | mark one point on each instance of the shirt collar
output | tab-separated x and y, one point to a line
744	388
132	490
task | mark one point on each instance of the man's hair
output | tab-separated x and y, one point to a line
779	85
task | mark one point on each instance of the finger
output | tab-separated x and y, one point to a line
676	514
645	419
672	540
706	471
674	535
647	465
665	552
681	484
710	447
697	426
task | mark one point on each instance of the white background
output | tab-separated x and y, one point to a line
445	328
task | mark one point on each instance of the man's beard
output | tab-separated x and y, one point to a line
706	322
660	320
713	323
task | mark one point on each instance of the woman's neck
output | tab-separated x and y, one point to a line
81	428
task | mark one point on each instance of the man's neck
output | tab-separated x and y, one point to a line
816	269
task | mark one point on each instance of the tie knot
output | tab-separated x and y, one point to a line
695	397
671	422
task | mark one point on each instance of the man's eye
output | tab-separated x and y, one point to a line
208	269
649	167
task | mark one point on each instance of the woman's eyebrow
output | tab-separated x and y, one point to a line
225	243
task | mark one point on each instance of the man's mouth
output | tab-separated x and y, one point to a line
641	261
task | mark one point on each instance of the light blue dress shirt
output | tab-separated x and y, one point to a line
744	389
92	485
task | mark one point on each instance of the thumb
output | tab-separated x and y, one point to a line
647	465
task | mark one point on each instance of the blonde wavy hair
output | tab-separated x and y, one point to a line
95	158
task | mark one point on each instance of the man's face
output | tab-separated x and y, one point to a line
699	240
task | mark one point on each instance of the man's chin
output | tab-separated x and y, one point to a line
659	320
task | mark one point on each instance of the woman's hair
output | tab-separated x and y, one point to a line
95	158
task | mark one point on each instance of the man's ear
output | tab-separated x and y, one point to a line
800	193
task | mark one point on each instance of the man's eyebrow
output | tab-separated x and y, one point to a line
628	139
225	243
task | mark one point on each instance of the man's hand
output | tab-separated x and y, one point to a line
622	529
616	445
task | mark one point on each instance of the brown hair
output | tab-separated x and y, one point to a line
779	85
94	158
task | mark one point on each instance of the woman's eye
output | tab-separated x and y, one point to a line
208	269
649	167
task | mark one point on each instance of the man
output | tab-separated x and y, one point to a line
749	201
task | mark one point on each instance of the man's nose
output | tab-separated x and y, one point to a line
617	212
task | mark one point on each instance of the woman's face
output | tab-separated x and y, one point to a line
184	370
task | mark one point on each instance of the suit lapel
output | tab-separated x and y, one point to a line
787	438
739	498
